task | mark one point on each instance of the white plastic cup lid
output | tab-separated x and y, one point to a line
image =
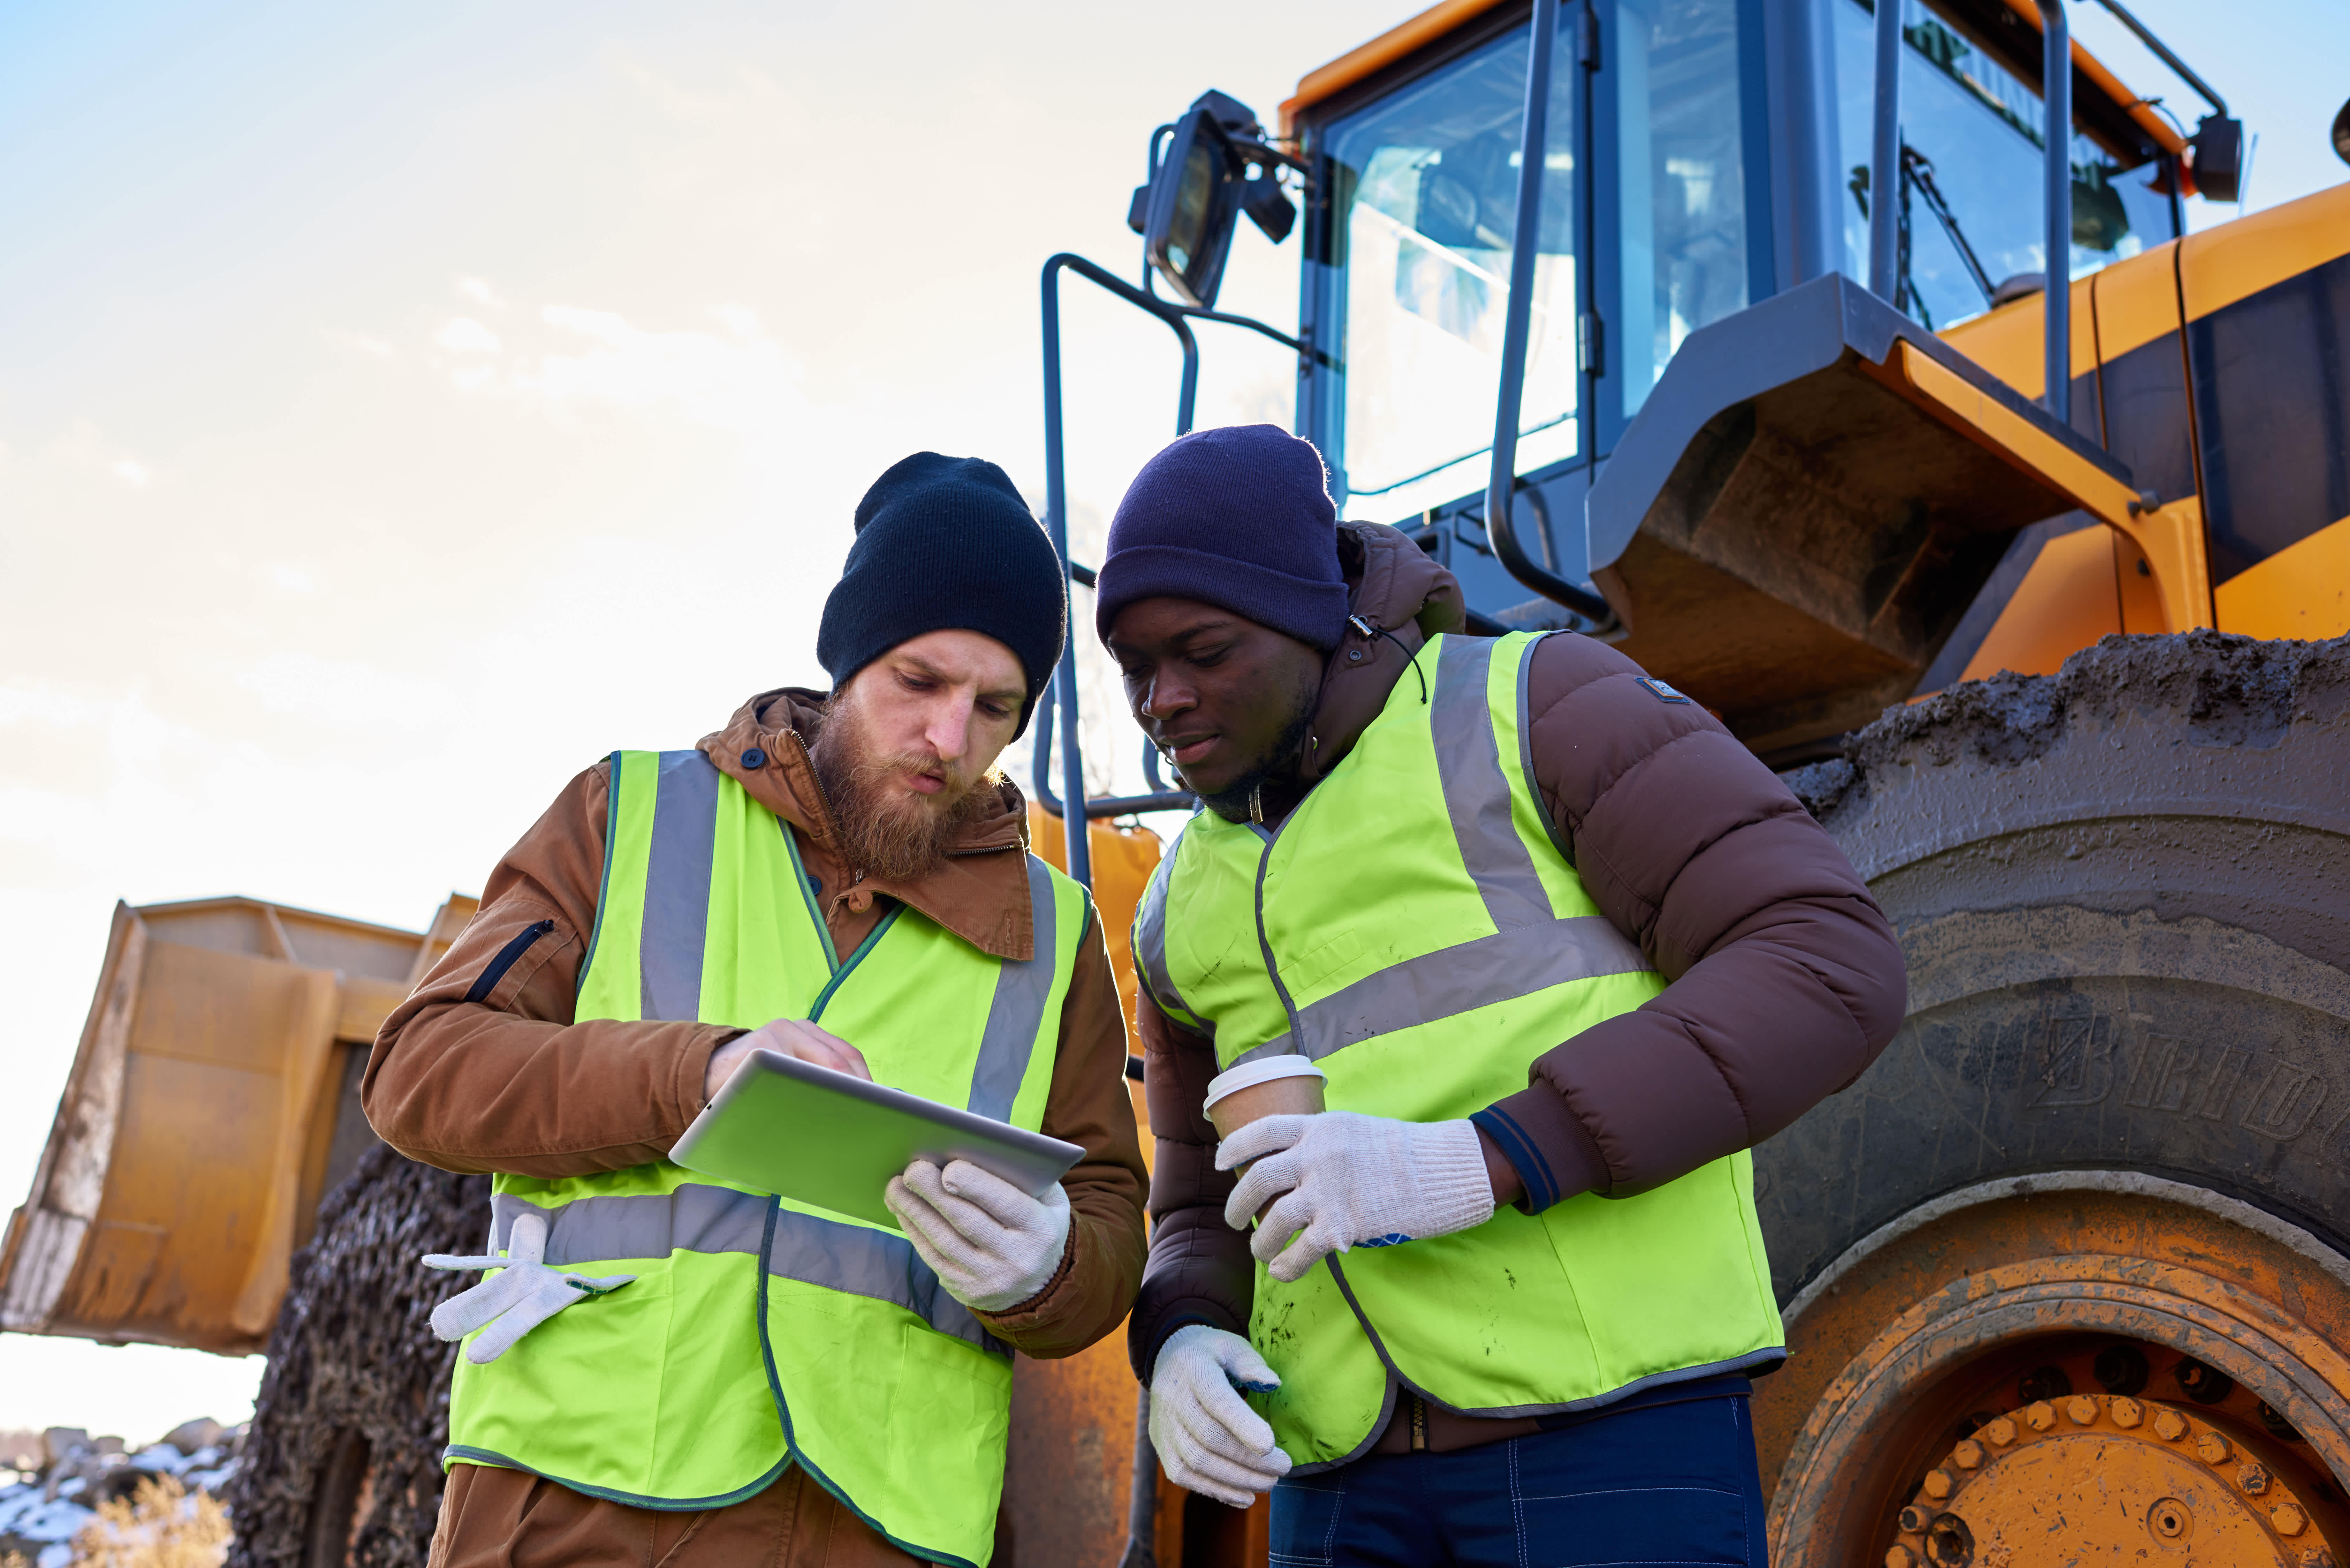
1263	1070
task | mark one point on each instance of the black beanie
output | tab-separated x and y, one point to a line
946	543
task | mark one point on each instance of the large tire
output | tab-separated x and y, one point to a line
2122	1091
2123	894
343	1463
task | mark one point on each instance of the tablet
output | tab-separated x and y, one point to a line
809	1134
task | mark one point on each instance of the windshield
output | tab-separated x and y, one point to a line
1424	187
1424	184
1972	132
1682	227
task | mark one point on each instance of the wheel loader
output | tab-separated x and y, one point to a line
1730	331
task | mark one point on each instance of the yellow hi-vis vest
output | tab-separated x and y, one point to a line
1417	928
761	1331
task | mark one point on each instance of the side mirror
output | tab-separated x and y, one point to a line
1187	231
2218	144
1199	189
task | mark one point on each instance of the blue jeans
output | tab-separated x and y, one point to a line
1664	1484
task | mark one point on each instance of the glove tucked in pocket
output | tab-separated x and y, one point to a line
525	1293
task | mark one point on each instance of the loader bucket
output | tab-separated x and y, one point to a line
213	1103
1812	495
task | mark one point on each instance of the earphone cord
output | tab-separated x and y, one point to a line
1367	630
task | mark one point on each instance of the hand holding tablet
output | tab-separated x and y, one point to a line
835	1139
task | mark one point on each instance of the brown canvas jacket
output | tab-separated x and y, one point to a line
1785	978
484	1069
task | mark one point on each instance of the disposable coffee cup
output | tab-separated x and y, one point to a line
1268	1086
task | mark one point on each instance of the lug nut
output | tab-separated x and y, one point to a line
2170	1425
1914	1519
2040	1416
1900	1557
1937	1484
2253	1478
2316	1557
2082	1409
2211	1449
2288	1520
2126	1413
1969	1454
1999	1430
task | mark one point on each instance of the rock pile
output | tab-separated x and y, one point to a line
67	1474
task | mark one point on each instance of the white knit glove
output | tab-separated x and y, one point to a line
1206	1437
525	1294
1352	1180
993	1245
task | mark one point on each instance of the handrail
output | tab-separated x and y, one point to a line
2056	298
1064	695
1885	161
1501	486
1062	699
1102	805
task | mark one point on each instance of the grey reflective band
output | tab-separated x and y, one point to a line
851	1259
1023	988
1476	794
1150	939
677	888
1558	840
1451	980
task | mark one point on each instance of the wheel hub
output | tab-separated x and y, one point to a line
2099	1479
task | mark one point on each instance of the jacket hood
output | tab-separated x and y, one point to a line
980	893
1394	588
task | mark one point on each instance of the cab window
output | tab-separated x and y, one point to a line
1423	187
1969	196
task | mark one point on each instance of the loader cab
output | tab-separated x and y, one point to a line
1704	155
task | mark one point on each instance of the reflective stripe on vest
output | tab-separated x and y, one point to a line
855	1260
1417	925
763	1332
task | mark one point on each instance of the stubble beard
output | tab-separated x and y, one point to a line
885	828
1235	801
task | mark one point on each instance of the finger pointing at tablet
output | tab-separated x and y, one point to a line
795	1037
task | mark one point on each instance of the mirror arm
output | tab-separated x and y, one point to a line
1501	487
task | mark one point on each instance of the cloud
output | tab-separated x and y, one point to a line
132	474
463	335
342	691
475	289
736	378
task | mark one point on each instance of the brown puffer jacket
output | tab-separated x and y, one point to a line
1785	978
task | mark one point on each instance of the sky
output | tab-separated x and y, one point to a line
401	407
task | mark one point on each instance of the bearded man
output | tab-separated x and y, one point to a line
664	1368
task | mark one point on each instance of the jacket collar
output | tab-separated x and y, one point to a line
980	893
1395	589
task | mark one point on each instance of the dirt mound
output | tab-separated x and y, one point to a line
2218	689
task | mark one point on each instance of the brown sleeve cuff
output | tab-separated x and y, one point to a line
1548	1146
1200	1272
1089	1106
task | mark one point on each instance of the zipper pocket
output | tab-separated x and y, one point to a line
507	954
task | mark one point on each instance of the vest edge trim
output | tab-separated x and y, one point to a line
463	1453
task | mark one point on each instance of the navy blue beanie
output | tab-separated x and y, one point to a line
946	543
1239	518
